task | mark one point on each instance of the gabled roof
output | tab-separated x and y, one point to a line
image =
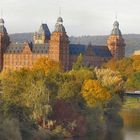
35	48
15	48
76	49
40	48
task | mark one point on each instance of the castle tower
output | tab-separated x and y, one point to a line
4	41
59	45
43	35
116	42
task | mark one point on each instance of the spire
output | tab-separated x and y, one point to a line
60	11
59	25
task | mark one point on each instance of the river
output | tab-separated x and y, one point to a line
130	131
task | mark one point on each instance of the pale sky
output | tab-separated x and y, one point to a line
81	17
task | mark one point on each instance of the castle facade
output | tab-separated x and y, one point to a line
56	46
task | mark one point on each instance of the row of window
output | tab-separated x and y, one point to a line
18	63
22	56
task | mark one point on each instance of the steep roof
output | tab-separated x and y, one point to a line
44	30
76	49
35	48
101	51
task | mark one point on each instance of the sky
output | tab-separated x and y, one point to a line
81	17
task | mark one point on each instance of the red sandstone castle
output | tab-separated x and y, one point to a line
57	47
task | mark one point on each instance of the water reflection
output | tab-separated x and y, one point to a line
114	134
131	130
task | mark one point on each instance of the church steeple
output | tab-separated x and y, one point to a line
59	44
116	42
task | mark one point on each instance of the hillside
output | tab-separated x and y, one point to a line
132	40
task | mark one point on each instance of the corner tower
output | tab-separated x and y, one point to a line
116	42
4	41
43	35
59	45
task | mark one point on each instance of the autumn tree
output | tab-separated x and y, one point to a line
93	92
111	64
47	65
136	62
124	66
111	80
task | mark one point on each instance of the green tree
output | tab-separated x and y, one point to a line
133	82
79	63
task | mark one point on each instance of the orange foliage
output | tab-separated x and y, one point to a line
93	92
47	65
112	64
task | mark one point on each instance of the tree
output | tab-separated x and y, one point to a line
38	96
93	92
133	82
112	64
124	66
136	62
79	63
47	65
112	80
69	90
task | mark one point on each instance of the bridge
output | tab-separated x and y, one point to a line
135	94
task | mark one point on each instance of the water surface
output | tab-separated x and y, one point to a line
130	131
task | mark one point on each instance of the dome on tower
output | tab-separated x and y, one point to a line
59	25
60	20
116	31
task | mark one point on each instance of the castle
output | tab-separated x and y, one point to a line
56	46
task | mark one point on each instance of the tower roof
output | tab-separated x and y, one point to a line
44	30
1	21
2	28
59	25
116	31
60	20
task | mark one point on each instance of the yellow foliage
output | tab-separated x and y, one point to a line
47	65
112	64
136	62
124	66
93	92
